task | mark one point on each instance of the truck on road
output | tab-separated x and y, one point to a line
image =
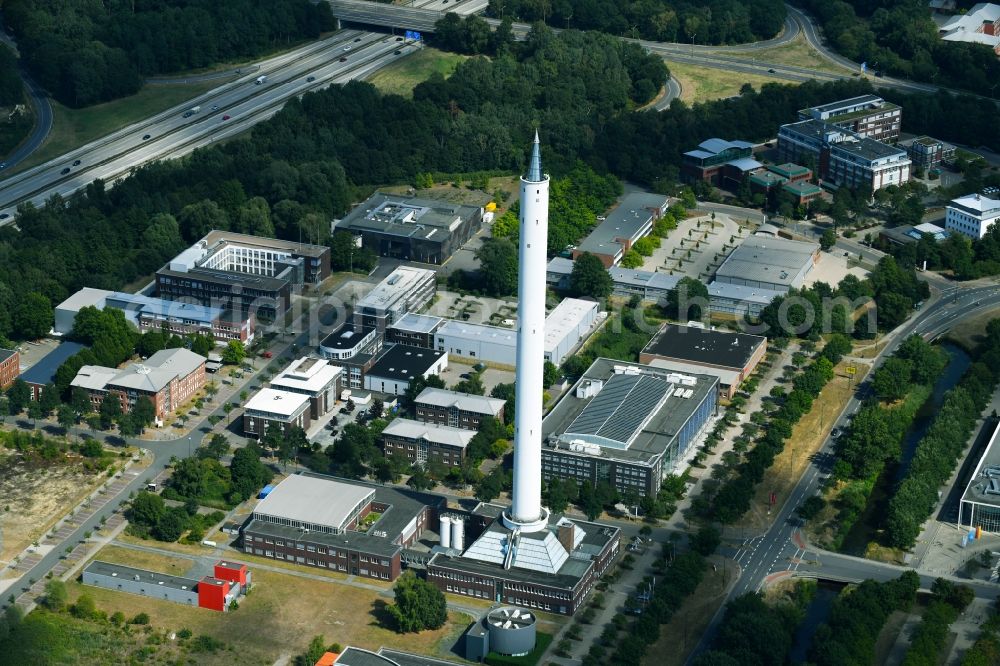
193	110
261	79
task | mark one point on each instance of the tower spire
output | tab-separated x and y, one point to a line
534	173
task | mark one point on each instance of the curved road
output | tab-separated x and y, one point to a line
781	550
38	99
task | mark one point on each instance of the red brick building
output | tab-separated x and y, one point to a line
458	410
10	367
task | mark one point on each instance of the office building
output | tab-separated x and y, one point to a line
147	313
398	365
627	425
626	223
979	25
459	410
44	369
568	323
732	357
169	378
905	234
927	152
270	408
230	582
867	115
558	272
720	162
248	274
739	300
980	505
775	264
421	443
414	330
649	286
355	528
412	229
406	290
10	367
843	157
972	215
354	349
314	378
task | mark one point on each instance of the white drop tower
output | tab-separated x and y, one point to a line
526	513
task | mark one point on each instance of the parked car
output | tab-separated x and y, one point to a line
267	354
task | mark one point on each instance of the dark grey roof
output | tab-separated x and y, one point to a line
622	406
129	573
6	354
702	345
405	216
353	656
404	362
407	659
346	337
226	277
365	543
626	220
44	370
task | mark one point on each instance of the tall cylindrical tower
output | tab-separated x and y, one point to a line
526	513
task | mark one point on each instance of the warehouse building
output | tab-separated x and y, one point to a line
347	526
867	115
398	365
406	290
972	215
270	408
169	378
732	357
567	324
421	442
412	229
230	582
248	274
775	264
739	300
459	410
626	223
627	425
314	378
649	286
10	367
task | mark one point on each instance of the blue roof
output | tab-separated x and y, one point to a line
716	146
44	371
163	308
700	154
745	164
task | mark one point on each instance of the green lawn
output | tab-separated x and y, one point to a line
72	128
402	76
542	641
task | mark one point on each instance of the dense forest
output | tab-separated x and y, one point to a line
899	38
708	22
85	52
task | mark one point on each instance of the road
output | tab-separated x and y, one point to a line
781	550
39	100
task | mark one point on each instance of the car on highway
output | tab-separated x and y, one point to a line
770	71
357	39
310	79
65	171
397	52
343	60
76	162
4	216
226	117
145	137
188	114
215	107
399	39
3	165
835	433
347	48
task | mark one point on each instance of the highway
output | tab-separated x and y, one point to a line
782	550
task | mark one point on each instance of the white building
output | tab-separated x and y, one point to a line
314	378
565	326
406	289
399	364
979	25
972	215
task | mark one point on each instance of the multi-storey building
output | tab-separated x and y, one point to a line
928	152
867	115
972	215
421	443
414	330
43	371
398	365
625	224
842	156
269	408
459	410
169	378
10	367
720	162
979	25
314	378
354	349
406	290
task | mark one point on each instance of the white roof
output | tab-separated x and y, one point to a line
480	332
418	323
308	499
308	374
742	292
399	284
282	403
645	279
431	432
83	298
976	202
565	318
726	377
93	377
464	401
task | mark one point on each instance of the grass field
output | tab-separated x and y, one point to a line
72	128
175	566
968	333
280	616
807	437
703	84
800	54
402	76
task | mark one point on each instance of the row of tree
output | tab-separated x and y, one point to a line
948	599
753	632
940	449
84	53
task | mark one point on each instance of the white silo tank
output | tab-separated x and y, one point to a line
446	531
457	533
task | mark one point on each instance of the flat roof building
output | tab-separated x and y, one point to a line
314	378
764	262
459	410
415	330
421	442
972	215
980	505
271	408
557	273
739	299
567	324
65	313
720	162
649	286
209	592
43	371
249	274
355	528
412	229
406	290
398	365
927	152
626	223
732	357
626	424
867	115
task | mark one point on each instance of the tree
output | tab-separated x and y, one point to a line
688	300
84	608
632	259
18	396
827	240
202	344
55	595
143	412
66	416
248	473
589	277
33	317
892	380
147	509
377	408
419	479
217	447
111	409
170	526
498	266
550	374
706	540
49	399
472	384
234	353
419	605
